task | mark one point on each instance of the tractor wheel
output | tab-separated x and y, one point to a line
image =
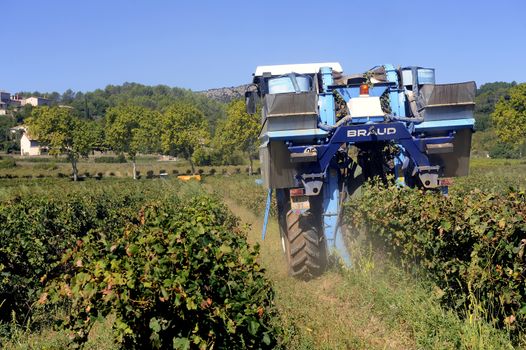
303	246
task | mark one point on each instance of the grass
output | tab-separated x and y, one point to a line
494	175
23	338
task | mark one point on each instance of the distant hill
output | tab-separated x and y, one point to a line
225	94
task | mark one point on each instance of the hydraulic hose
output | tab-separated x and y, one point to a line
340	122
418	119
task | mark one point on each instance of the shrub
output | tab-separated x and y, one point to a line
182	276
105	159
471	244
45	166
37	229
7	163
43	159
503	150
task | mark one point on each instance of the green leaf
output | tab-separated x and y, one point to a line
253	327
154	325
164	293
266	339
225	249
446	225
181	343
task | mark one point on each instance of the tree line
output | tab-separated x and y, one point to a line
93	105
181	129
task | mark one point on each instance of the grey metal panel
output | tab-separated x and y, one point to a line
276	168
265	164
455	163
448	112
447	101
291	123
447	94
289	104
290	111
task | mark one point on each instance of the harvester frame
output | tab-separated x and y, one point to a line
312	115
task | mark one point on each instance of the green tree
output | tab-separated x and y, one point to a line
64	133
509	117
22	113
487	96
184	131
6	136
99	138
67	97
132	130
239	132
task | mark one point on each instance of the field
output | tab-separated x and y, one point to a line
105	166
384	301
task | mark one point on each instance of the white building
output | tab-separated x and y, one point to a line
35	101
28	145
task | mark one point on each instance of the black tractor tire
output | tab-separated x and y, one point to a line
303	245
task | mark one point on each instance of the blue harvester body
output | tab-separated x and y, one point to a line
325	133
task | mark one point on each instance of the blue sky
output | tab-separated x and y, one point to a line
84	45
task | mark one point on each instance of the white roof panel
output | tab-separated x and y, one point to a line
304	68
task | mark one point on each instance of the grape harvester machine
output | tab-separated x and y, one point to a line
323	133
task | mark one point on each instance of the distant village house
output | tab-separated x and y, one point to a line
35	101
7	100
28	145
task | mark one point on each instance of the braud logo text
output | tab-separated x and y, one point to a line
375	131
